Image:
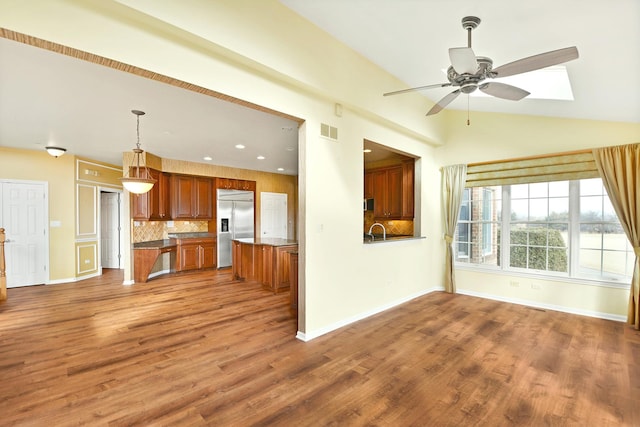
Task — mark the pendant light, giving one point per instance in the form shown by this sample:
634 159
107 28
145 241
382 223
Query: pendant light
139 180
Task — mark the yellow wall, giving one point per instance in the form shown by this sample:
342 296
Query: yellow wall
504 136
33 165
252 56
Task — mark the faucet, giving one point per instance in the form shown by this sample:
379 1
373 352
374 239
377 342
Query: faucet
384 231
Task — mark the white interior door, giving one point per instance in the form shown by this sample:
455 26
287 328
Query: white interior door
24 219
110 229
273 215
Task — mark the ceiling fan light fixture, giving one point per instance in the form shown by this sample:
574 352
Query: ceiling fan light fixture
55 151
139 180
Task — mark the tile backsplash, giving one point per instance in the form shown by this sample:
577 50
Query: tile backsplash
392 226
144 231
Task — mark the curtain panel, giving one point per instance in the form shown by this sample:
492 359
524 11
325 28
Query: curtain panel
452 190
619 168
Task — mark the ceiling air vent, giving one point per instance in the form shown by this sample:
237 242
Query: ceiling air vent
329 131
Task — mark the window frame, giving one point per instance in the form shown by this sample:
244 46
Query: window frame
573 246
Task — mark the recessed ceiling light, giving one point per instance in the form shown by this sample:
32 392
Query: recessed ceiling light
207 158
240 146
287 128
280 169
290 148
367 150
260 157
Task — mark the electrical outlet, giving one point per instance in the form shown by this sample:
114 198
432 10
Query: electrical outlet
536 286
514 284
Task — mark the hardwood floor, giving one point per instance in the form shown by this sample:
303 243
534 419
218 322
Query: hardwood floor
193 349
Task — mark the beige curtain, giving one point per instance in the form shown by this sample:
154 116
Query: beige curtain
619 168
453 180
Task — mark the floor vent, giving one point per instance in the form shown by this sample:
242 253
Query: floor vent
329 131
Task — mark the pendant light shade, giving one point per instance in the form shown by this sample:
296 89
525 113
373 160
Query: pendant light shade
137 179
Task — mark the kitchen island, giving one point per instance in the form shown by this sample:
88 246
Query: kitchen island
263 260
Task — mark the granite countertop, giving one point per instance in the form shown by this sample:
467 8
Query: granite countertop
192 235
155 244
269 241
393 238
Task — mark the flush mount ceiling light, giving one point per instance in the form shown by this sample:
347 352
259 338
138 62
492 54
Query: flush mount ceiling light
139 180
240 146
261 157
56 151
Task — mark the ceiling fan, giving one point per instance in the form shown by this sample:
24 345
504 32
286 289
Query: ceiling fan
468 72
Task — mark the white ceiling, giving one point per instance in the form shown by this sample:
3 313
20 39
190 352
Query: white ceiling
410 39
52 99
47 98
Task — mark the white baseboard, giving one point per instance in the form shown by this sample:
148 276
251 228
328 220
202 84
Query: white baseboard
536 304
337 325
72 279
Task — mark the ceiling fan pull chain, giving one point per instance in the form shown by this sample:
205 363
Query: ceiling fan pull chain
468 121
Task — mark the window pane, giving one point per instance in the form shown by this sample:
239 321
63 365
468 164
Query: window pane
539 189
609 214
538 209
520 191
590 187
614 241
559 209
519 210
558 260
590 262
613 263
591 208
559 189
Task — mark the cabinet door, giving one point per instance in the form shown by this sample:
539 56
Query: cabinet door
203 208
394 192
380 193
140 206
163 196
368 185
408 169
207 255
188 257
182 196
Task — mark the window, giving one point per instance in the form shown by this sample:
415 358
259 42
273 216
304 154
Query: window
560 228
479 226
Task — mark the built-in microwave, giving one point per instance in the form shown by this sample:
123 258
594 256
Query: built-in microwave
368 204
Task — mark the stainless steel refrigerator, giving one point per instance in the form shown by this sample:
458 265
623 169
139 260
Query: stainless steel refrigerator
235 221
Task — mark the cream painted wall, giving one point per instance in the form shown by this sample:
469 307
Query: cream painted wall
503 136
256 59
244 49
33 165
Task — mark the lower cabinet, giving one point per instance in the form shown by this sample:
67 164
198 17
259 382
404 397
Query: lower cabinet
195 254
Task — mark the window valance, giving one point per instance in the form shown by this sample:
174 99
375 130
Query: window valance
544 168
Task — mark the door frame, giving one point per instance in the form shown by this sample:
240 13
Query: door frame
45 218
99 226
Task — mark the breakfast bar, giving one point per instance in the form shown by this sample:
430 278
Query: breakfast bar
263 260
145 255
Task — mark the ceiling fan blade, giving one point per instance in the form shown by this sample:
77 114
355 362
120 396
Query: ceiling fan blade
414 89
463 60
537 62
504 91
443 102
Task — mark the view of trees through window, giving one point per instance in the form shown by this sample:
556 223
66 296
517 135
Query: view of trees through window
565 228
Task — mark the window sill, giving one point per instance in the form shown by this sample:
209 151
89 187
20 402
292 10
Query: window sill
551 278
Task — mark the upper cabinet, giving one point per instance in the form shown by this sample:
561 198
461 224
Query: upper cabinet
235 184
392 189
154 204
191 197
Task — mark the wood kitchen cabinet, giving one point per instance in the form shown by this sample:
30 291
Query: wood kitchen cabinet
195 254
387 193
392 189
235 184
154 204
191 197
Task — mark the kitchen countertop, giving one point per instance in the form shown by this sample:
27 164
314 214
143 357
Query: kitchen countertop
269 241
192 235
155 244
390 238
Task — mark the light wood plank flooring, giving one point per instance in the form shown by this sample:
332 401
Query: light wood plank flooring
196 349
